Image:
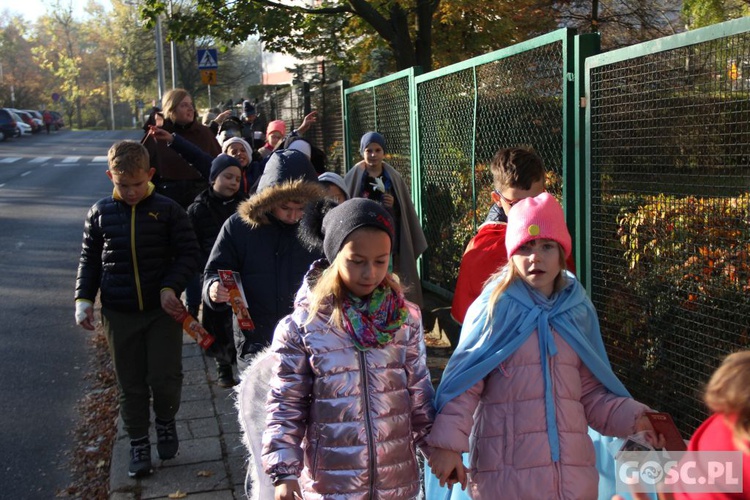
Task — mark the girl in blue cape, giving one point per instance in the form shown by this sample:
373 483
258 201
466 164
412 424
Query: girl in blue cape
529 376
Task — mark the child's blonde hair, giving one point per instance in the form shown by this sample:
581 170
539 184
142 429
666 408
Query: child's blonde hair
127 157
728 392
327 292
509 273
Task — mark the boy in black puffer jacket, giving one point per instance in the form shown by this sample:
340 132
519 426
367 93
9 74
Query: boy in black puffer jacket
260 242
207 214
139 251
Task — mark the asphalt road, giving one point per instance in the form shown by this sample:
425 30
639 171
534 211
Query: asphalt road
47 184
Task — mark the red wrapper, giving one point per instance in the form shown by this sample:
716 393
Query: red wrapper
193 328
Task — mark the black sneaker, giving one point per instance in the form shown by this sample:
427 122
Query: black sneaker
167 443
225 376
140 458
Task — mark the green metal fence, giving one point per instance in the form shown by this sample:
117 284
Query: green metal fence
443 127
328 132
466 112
293 102
668 210
383 106
649 147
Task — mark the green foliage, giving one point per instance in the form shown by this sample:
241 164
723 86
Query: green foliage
356 34
677 282
27 80
467 28
700 13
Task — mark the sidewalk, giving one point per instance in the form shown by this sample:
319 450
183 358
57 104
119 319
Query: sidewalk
211 460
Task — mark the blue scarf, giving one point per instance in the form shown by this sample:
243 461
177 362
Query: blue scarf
519 312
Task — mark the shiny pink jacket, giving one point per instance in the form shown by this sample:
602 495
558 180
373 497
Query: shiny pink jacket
501 421
347 421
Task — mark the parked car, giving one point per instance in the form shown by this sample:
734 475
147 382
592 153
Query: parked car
37 116
7 124
27 119
23 128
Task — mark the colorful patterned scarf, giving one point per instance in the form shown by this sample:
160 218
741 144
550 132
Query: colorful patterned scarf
373 322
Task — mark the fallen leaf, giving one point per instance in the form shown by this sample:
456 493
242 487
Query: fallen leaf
204 473
177 494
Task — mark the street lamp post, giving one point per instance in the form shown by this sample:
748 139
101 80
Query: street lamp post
172 52
159 58
111 99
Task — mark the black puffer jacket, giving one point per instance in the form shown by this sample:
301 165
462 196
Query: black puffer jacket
207 214
266 252
132 272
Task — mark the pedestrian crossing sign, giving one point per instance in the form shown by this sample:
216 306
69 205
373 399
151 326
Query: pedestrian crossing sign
208 59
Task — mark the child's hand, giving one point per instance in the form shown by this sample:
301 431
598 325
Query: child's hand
170 303
307 122
643 424
448 467
388 200
221 117
218 293
85 314
287 490
160 134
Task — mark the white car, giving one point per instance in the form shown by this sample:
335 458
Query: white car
23 127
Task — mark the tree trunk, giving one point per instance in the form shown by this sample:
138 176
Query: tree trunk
401 43
423 44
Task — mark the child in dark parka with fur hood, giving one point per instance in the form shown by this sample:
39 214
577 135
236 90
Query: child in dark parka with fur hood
260 243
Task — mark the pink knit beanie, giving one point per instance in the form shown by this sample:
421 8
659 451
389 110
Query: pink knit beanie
536 218
276 126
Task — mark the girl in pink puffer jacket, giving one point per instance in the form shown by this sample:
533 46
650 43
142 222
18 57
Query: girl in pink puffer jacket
529 376
351 395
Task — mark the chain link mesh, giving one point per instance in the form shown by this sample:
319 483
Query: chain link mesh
384 109
518 102
670 146
292 103
327 132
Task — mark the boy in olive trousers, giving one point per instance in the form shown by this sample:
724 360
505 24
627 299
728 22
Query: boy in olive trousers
139 250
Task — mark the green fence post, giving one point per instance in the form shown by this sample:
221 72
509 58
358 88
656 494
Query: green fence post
414 156
583 46
345 115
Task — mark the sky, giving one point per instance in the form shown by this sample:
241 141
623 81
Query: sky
31 9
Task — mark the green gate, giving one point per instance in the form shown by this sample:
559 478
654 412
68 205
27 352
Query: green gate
667 210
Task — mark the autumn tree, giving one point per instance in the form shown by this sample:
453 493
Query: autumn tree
699 13
347 32
134 54
621 22
61 51
22 83
467 28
